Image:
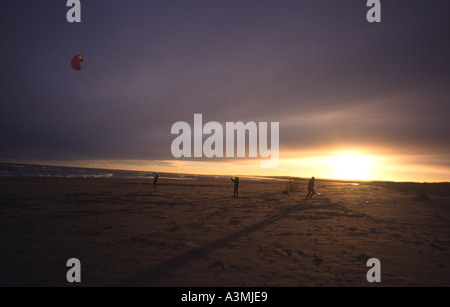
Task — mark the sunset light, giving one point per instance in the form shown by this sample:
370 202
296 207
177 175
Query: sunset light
212 144
352 167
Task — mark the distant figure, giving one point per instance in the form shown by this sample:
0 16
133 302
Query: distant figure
155 179
236 187
311 191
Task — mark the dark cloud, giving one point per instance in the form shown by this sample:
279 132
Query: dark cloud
318 67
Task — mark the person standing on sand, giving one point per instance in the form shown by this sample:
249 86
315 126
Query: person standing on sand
236 187
311 191
155 179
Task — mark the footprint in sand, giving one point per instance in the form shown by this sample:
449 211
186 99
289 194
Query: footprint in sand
217 265
363 258
286 234
283 252
317 260
234 222
437 247
174 228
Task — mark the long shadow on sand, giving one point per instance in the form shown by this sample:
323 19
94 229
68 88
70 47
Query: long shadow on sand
151 276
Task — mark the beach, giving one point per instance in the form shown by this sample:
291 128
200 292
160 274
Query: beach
192 232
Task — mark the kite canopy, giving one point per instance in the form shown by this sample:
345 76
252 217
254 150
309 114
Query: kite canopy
76 62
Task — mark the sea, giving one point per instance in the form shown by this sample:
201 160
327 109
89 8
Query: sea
34 170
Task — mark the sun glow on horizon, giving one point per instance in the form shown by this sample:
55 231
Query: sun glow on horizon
339 165
329 164
352 167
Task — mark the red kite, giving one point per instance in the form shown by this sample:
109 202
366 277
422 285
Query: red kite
76 62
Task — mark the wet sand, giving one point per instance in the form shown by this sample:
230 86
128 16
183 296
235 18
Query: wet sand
193 233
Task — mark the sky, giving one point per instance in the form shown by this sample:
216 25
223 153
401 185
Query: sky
354 100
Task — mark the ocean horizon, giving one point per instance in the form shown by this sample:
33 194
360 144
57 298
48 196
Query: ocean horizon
41 170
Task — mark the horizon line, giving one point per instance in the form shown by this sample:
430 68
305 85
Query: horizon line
221 175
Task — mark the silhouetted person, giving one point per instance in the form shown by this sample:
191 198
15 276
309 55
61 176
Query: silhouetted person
155 179
236 187
311 191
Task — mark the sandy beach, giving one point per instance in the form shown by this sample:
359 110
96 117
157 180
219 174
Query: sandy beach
193 233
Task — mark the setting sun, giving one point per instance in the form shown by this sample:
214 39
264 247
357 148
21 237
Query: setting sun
352 167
